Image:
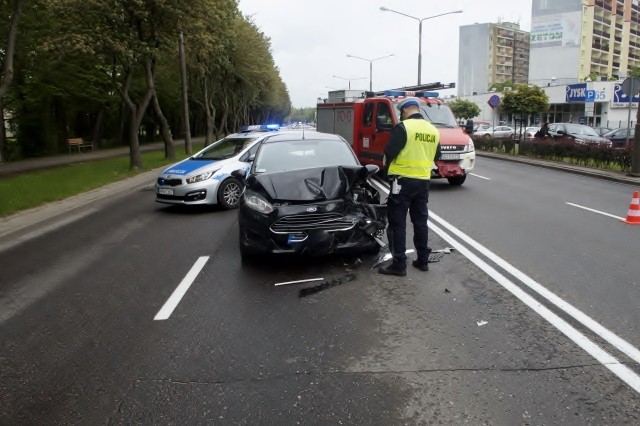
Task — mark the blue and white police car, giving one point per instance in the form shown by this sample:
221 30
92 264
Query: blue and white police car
205 177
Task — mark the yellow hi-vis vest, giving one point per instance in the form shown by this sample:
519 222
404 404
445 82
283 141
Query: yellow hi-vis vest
416 158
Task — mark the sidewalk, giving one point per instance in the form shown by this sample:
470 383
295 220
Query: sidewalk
31 164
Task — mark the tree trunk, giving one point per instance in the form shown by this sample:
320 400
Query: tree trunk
3 132
7 73
136 113
97 127
210 112
169 149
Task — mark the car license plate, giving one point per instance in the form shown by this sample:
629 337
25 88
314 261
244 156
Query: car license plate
450 156
165 191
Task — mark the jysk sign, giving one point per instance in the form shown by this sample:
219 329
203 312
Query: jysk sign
576 92
579 93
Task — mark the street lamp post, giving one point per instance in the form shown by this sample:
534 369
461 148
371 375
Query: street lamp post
370 67
384 9
349 79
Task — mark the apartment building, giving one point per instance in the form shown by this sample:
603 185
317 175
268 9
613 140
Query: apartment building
574 39
491 53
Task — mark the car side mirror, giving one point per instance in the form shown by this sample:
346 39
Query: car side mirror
468 128
372 169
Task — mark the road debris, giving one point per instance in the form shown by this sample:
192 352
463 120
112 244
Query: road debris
481 323
387 256
299 281
331 283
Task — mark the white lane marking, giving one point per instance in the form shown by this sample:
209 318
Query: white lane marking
577 314
481 177
623 372
171 303
595 211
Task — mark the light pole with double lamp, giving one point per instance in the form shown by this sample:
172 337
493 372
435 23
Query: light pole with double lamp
349 79
384 9
370 67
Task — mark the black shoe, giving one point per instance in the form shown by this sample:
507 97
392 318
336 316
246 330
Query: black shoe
421 266
393 270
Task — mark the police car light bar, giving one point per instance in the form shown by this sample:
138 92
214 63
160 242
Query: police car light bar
396 93
247 128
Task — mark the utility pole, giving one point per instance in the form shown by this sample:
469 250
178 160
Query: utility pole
185 98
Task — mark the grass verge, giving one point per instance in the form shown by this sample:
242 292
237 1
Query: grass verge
32 189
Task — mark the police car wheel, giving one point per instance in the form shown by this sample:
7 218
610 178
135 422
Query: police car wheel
229 193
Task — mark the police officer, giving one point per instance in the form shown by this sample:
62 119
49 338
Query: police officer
409 156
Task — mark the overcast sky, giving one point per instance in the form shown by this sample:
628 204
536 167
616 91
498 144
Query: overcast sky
310 40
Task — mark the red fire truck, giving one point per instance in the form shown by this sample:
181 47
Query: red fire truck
366 121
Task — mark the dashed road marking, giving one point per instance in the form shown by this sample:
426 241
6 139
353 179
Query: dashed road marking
596 211
171 303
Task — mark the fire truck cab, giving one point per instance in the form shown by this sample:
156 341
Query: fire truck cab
366 123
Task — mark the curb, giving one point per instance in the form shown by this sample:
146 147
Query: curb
549 164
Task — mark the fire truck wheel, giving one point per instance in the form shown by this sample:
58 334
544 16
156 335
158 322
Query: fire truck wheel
457 180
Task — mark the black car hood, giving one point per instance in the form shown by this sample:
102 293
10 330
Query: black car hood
306 185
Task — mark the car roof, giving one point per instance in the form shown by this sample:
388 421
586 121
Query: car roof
298 135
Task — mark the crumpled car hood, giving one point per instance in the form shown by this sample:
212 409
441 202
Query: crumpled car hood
308 185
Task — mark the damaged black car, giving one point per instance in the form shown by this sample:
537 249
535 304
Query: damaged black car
306 193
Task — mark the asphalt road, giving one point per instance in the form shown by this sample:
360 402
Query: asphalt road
458 344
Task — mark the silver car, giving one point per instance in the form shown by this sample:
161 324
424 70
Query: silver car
498 132
205 178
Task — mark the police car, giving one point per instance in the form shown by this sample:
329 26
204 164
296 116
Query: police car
205 178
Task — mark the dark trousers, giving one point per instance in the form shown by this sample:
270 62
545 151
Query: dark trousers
413 196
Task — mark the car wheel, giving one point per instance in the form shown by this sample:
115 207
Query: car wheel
229 193
457 180
486 137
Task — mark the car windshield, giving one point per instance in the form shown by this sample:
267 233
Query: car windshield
579 130
224 148
437 114
282 156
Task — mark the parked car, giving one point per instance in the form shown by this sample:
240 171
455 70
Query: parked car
530 132
577 132
308 194
621 137
602 130
481 125
498 132
205 177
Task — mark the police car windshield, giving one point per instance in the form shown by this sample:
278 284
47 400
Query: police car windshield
438 115
283 156
224 148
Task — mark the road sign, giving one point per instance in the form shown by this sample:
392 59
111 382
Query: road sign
630 86
494 101
590 96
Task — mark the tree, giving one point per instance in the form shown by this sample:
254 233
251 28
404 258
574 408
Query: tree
634 72
525 100
7 63
464 109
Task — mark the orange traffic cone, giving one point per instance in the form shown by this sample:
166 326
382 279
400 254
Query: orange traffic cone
633 217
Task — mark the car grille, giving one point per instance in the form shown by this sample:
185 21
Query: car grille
169 182
452 148
312 221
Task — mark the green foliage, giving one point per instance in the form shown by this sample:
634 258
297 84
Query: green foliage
73 58
525 100
464 109
305 115
59 183
634 72
499 87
